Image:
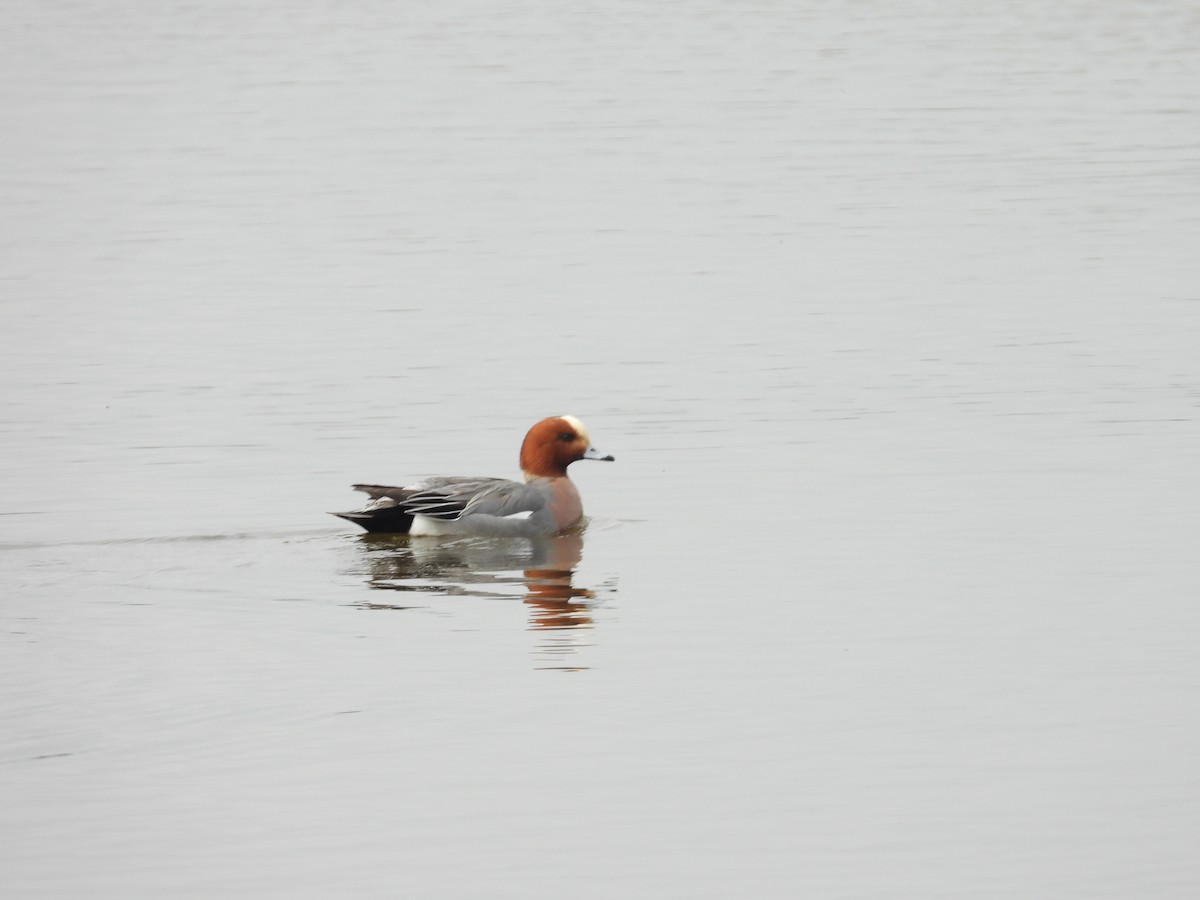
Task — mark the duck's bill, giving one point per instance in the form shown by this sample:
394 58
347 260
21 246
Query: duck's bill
593 453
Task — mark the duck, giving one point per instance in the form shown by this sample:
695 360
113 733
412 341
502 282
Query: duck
546 503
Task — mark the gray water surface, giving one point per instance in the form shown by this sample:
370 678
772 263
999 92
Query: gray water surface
888 313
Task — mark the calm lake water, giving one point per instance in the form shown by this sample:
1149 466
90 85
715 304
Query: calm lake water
889 312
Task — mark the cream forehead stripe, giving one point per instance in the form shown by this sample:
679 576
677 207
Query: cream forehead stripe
578 426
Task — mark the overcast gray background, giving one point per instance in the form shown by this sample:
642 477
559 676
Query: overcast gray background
888 311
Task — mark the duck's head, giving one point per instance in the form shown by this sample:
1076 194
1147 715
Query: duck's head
553 444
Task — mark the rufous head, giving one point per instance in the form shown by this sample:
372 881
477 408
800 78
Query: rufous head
553 444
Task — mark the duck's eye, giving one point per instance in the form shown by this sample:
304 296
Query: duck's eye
566 436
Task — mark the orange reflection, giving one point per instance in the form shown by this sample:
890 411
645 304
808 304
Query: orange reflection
550 594
540 572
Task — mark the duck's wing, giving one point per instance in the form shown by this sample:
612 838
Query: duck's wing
453 498
457 498
503 498
379 491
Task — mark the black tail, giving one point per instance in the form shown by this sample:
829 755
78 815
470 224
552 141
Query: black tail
389 520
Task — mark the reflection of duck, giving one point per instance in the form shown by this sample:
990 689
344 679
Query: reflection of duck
547 503
477 567
540 571
553 600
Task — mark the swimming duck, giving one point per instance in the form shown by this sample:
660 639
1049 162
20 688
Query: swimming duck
546 503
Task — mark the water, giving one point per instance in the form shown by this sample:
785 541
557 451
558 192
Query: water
887 311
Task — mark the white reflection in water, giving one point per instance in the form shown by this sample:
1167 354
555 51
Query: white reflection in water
540 572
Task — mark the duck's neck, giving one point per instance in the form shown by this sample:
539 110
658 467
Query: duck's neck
546 473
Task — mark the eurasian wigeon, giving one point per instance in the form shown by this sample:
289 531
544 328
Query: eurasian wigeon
547 503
